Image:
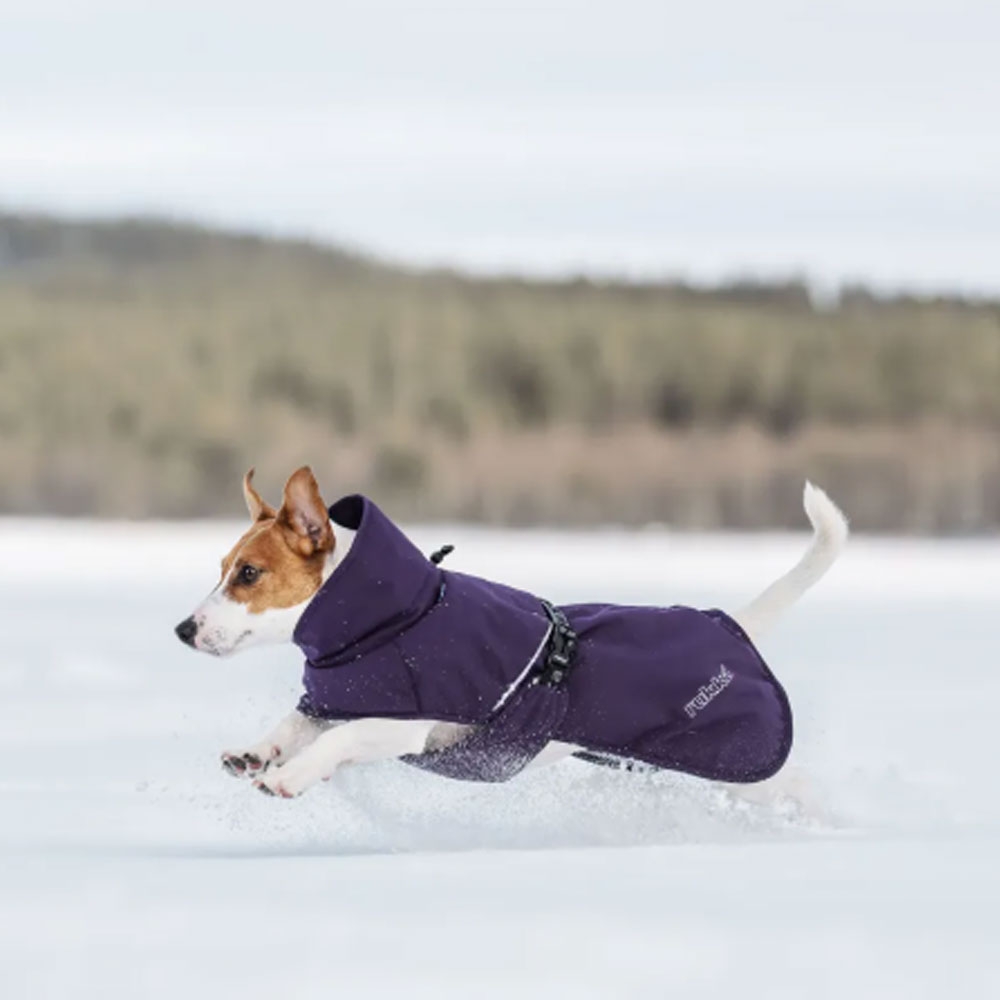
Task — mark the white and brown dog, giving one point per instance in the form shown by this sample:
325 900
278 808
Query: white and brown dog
280 564
268 579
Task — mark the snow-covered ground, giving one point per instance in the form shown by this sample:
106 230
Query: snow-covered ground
132 867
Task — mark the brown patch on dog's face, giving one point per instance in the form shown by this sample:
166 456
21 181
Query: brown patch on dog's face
270 574
279 561
264 571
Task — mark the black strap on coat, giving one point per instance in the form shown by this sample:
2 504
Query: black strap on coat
521 727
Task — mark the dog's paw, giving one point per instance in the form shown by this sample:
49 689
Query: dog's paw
277 784
288 781
243 763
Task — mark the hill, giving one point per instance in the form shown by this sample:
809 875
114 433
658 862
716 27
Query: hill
145 364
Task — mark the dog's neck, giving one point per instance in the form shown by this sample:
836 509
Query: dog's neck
343 540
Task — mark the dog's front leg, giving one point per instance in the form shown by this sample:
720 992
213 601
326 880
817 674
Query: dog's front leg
350 743
294 733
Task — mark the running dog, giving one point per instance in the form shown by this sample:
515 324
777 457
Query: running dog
476 680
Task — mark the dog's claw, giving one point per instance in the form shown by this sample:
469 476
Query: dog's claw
241 764
234 765
278 791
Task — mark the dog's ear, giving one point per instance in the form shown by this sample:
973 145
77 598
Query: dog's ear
303 515
259 509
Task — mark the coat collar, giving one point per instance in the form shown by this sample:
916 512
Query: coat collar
383 586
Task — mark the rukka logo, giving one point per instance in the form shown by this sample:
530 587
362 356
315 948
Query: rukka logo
708 691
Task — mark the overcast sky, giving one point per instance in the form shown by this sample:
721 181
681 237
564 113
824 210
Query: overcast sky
857 141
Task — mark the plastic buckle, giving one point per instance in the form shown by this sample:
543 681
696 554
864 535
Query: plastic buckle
562 646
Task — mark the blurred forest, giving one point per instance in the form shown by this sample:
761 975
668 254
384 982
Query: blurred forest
144 366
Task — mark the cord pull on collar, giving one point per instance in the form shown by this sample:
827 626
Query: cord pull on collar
438 556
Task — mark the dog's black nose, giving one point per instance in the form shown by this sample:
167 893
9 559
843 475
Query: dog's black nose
187 630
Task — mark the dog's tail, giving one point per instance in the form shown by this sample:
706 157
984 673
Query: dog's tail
829 538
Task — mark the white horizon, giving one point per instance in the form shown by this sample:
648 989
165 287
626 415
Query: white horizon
636 140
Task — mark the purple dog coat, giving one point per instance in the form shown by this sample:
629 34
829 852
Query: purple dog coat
391 635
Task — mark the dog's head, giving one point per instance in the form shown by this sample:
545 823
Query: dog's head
270 574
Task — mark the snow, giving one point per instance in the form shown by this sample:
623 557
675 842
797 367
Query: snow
131 866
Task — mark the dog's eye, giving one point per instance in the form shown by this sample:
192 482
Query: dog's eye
249 574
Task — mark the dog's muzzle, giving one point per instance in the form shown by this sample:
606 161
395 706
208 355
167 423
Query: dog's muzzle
187 630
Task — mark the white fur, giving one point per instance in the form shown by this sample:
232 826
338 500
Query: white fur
301 751
351 743
829 537
292 735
